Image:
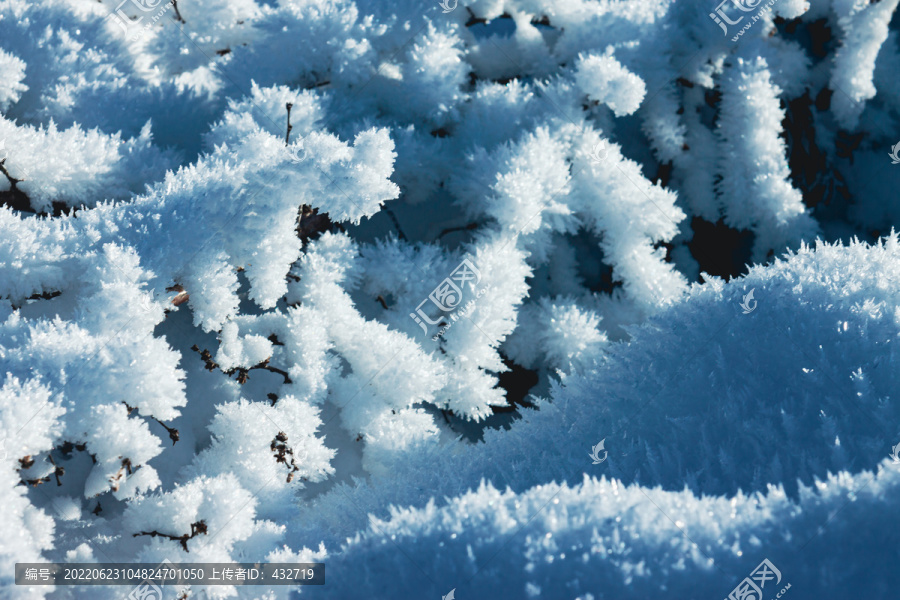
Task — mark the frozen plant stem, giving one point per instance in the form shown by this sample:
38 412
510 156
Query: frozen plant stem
12 180
287 135
173 433
242 372
282 452
57 470
393 218
178 16
196 528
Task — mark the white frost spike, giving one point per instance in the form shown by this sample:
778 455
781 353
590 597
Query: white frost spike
756 193
605 80
558 332
864 29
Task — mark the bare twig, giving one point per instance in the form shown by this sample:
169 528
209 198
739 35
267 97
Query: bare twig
173 433
242 372
196 528
283 452
287 136
178 16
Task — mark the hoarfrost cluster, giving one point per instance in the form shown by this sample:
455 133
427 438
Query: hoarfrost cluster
363 283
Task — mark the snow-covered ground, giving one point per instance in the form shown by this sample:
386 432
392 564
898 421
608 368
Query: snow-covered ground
571 299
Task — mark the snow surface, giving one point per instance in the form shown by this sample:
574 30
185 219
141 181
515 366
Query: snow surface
368 283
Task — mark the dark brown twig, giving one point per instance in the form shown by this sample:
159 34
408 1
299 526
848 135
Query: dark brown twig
196 528
116 481
173 433
310 223
283 452
468 227
38 481
12 180
57 470
181 297
242 372
287 136
178 16
393 218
